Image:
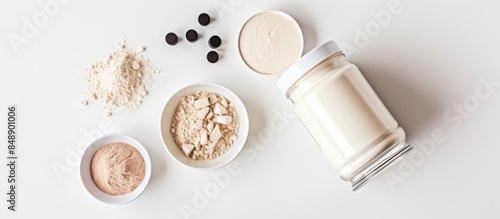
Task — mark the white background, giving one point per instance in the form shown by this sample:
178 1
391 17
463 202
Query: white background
428 58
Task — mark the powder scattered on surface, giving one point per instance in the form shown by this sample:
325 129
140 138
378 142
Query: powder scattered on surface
205 125
270 42
119 82
118 168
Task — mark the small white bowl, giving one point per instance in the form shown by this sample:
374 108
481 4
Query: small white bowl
176 152
86 174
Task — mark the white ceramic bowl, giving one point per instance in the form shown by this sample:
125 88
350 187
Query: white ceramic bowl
86 174
166 122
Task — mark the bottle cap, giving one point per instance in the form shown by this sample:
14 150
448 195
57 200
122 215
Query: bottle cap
304 64
171 39
214 42
212 57
204 19
192 35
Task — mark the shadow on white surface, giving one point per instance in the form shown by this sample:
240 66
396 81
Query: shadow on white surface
255 114
414 111
158 165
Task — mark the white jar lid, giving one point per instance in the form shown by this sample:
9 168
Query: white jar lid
304 64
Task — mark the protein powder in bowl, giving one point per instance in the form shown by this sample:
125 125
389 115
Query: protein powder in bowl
115 169
270 42
214 129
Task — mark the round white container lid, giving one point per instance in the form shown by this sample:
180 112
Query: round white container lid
304 64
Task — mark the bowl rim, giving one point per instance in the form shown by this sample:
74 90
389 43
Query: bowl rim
243 114
118 199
